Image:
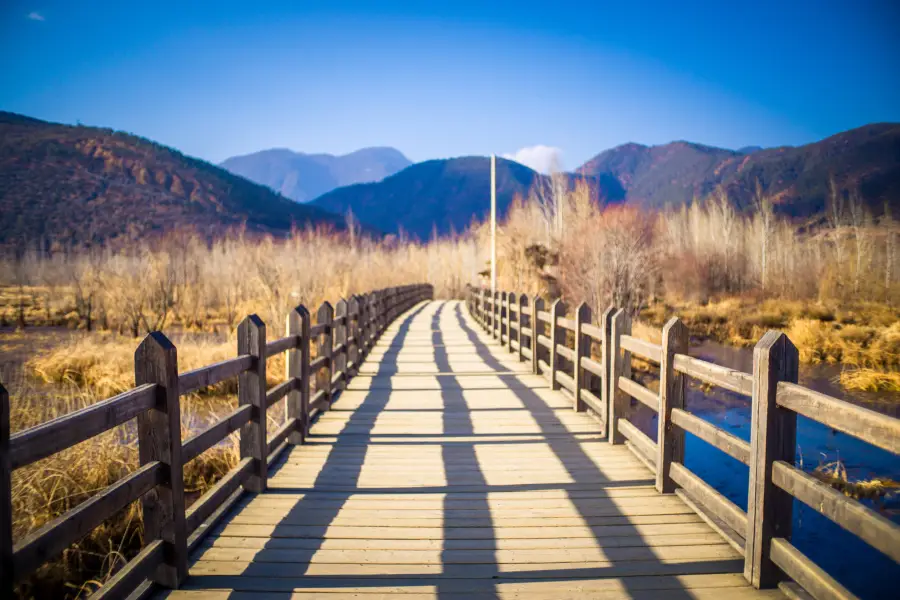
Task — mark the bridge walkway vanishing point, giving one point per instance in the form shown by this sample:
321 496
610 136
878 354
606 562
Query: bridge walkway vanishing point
447 469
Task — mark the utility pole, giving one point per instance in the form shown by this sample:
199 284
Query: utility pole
493 226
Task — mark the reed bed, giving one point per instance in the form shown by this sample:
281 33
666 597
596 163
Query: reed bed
731 275
832 285
99 302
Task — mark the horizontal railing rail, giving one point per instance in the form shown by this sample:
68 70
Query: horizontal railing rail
342 337
595 371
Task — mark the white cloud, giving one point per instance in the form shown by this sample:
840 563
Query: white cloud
36 16
541 158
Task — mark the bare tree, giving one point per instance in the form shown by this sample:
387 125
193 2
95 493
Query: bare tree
766 215
890 241
84 280
549 193
859 221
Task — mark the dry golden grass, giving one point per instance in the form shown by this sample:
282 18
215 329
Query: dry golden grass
188 284
810 281
104 362
48 488
863 336
870 380
195 292
79 370
835 475
730 276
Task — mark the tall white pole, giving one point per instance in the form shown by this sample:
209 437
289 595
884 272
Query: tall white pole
493 225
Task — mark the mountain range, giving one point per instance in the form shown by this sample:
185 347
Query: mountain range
865 160
77 185
437 196
80 185
303 177
445 195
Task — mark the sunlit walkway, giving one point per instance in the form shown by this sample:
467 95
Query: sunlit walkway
447 469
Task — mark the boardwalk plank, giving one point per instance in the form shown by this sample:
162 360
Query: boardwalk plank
446 469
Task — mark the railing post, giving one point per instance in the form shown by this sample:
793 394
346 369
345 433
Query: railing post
484 313
537 304
582 348
392 306
510 302
159 439
324 316
557 336
495 315
503 315
605 356
773 436
353 332
384 309
6 539
374 309
523 303
252 390
373 315
376 315
341 312
368 323
395 304
297 368
620 366
670 439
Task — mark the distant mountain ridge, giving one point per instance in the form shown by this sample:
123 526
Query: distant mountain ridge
79 185
303 177
866 159
440 196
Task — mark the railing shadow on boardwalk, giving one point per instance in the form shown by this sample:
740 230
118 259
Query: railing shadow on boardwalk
353 446
582 470
462 469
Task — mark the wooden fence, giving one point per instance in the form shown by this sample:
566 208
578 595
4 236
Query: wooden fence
595 371
342 338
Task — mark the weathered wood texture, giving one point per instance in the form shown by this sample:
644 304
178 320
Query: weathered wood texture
252 392
776 401
155 404
670 439
557 339
296 367
773 437
619 366
159 441
323 374
583 379
537 307
448 469
446 463
209 375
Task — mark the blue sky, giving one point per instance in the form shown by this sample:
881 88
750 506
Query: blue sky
450 78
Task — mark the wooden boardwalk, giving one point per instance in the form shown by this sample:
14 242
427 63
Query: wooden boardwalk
447 469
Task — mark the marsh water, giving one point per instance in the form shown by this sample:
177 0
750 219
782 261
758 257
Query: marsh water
863 570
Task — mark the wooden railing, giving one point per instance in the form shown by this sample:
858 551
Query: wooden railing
595 371
342 338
